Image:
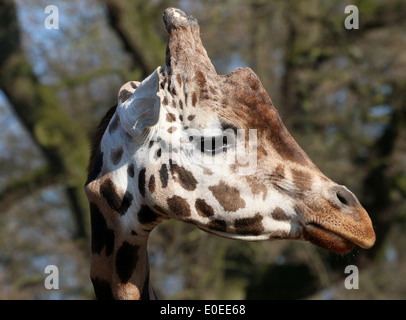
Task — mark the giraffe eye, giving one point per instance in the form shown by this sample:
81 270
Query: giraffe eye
214 145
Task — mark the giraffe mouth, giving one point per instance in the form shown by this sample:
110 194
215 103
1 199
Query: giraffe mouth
327 238
235 236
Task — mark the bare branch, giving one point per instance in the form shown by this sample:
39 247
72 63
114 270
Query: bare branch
136 34
26 186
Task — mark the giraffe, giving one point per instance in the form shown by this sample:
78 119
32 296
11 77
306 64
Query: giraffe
138 176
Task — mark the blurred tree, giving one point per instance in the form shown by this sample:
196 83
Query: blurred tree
135 23
64 145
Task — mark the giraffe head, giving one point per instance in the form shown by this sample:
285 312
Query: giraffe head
211 150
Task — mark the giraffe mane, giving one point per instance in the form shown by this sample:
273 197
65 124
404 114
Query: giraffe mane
98 135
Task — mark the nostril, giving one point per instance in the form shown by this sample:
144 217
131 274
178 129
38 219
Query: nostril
342 199
346 197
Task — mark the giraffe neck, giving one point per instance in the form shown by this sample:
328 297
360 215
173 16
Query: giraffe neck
119 261
124 274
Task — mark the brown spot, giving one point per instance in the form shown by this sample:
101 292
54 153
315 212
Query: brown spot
191 117
280 215
151 184
180 117
130 170
301 179
109 192
262 151
163 175
251 226
125 203
179 79
134 85
257 186
201 79
170 117
207 171
228 197
203 209
141 182
124 95
184 177
169 83
194 99
126 261
102 236
280 171
204 94
116 155
179 206
115 122
219 225
163 83
173 91
277 175
172 129
158 153
180 104
165 101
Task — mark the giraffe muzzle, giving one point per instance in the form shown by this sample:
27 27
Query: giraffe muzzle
339 223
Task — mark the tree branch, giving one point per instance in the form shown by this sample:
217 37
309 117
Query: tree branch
137 34
29 184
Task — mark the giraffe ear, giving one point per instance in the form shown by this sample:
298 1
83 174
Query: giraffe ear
140 110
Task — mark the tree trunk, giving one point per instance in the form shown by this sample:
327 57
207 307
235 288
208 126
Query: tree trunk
63 144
